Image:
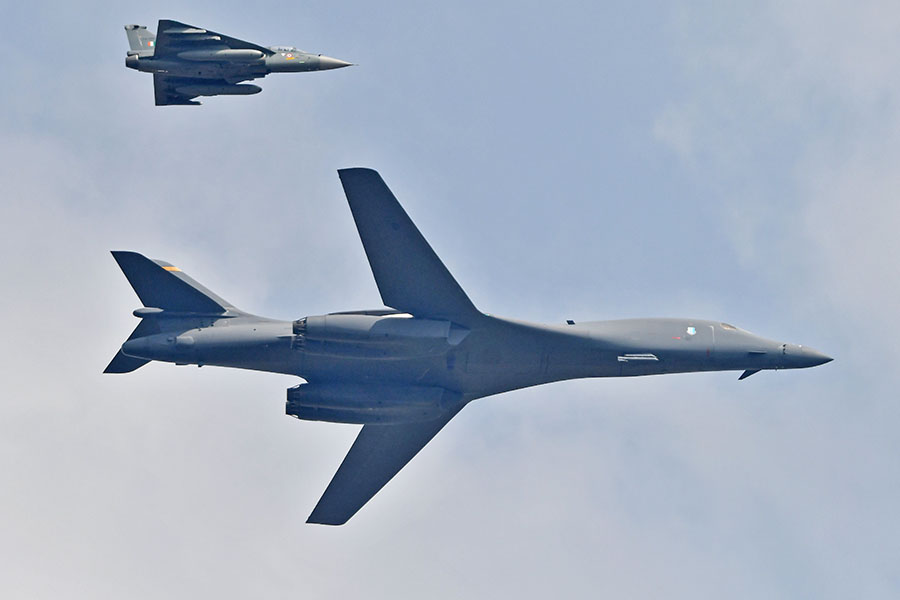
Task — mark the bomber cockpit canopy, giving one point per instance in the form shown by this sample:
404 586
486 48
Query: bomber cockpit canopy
730 327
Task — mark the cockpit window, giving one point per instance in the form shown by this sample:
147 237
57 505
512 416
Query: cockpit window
727 326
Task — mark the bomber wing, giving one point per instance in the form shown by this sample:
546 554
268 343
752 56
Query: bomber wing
378 453
173 37
409 275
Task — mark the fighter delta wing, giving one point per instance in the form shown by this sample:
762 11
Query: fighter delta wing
177 39
188 61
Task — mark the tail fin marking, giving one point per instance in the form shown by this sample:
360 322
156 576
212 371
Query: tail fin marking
140 40
161 285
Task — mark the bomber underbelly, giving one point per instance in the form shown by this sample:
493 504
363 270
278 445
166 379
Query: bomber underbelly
377 348
430 370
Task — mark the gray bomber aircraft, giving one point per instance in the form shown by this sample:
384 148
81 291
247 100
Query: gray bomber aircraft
188 61
405 371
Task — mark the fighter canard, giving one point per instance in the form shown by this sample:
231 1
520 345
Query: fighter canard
405 371
188 61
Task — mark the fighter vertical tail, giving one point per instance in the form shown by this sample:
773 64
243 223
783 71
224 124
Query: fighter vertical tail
141 41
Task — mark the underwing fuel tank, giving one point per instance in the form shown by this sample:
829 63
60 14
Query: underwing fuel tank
375 337
244 89
222 54
365 403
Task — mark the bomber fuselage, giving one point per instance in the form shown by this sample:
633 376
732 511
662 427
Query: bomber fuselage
491 356
406 371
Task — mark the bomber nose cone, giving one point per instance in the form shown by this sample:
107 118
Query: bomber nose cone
326 62
800 357
813 357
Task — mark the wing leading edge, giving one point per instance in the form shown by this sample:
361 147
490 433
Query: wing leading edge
173 37
409 275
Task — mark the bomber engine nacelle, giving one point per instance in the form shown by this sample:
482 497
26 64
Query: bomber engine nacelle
387 337
365 403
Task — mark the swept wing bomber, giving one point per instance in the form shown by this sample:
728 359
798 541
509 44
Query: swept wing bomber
404 371
188 61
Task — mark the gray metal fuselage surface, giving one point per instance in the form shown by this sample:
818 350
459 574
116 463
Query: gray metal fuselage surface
405 371
189 61
489 356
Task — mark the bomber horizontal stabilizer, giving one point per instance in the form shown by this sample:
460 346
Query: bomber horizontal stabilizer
122 363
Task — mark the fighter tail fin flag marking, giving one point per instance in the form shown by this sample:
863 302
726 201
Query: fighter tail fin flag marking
140 40
404 373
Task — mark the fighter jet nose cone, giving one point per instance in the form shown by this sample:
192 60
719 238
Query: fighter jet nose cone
326 62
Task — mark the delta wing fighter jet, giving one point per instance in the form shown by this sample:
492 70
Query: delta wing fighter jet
403 372
188 61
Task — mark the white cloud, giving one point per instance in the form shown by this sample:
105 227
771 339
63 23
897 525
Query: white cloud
674 128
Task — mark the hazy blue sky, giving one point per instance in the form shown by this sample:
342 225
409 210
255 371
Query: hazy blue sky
567 160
